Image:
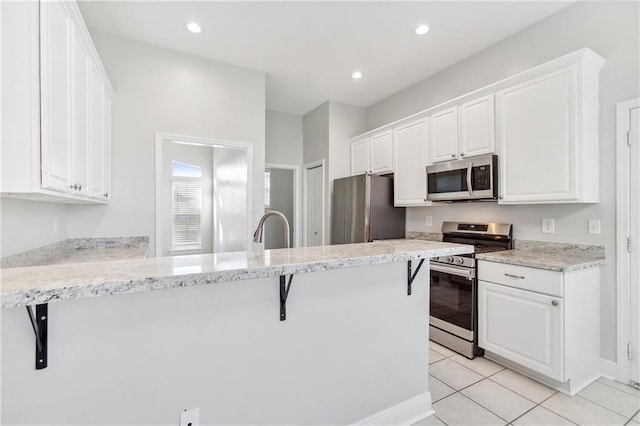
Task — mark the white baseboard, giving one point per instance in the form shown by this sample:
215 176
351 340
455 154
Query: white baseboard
608 369
405 413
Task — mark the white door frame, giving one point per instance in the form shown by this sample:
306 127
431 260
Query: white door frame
296 198
160 138
305 173
623 257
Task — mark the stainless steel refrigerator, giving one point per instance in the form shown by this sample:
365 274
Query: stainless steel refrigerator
362 210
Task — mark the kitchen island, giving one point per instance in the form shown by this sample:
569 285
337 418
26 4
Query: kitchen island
354 346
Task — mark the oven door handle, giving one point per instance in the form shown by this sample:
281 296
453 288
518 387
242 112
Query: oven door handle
468 273
469 184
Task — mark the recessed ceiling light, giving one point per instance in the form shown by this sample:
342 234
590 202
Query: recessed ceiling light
422 30
193 27
356 75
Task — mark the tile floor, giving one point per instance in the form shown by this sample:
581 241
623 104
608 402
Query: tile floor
481 392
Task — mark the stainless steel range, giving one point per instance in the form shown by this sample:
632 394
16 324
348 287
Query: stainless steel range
453 319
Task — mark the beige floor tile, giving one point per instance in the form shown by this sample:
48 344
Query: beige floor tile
498 399
540 416
612 398
454 374
620 386
430 421
441 349
458 410
480 365
438 389
582 411
434 356
526 387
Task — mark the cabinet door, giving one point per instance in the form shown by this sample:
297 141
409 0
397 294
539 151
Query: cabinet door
106 148
410 162
55 69
537 139
360 157
443 135
381 153
79 116
522 326
96 133
477 130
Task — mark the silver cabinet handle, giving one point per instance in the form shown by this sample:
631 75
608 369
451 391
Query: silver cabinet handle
554 302
514 276
79 187
106 194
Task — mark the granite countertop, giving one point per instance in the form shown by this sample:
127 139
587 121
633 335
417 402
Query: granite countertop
77 250
562 257
23 286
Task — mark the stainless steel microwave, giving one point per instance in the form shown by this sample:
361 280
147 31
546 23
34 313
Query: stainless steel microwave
474 178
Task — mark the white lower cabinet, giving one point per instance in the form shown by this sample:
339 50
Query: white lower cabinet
543 323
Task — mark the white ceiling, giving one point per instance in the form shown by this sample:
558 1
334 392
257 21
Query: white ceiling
308 50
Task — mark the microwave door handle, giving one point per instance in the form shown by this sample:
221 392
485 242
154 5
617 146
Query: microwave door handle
469 186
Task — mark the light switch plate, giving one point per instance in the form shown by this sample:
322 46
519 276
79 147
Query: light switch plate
548 225
428 222
594 226
190 417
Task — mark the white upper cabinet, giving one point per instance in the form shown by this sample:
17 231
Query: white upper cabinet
443 135
381 153
360 156
56 32
547 129
60 131
410 164
476 127
372 154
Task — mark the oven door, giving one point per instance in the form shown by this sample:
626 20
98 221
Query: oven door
453 300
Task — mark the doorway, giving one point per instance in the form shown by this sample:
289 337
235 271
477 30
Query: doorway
314 203
628 236
203 201
282 193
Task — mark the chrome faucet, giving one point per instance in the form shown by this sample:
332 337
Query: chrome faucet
257 236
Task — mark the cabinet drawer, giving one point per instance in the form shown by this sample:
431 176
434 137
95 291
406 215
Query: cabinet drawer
523 277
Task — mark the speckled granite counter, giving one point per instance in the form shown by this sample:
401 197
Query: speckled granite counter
43 284
563 257
77 250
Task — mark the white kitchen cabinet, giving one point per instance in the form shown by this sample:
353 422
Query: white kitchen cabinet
476 127
360 156
547 130
49 70
543 323
372 154
443 135
410 162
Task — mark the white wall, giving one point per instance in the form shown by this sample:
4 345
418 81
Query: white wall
610 29
30 224
160 90
353 344
284 138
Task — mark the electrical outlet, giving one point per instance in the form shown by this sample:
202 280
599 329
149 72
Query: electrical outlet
190 417
594 226
55 224
428 221
548 225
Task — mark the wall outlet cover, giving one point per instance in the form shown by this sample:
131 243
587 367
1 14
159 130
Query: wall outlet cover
548 225
428 221
594 226
190 417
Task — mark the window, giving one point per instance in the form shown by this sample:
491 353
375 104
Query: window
186 203
267 188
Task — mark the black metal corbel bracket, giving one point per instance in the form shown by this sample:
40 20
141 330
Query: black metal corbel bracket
284 293
410 276
39 322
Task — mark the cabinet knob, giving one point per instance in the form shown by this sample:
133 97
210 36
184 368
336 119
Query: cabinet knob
453 156
554 302
106 194
462 154
79 187
500 197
